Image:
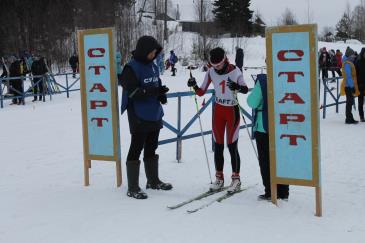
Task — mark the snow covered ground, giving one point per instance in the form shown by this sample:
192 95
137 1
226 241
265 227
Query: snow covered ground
43 200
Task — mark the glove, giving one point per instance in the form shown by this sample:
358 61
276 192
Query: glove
236 87
192 82
162 99
163 90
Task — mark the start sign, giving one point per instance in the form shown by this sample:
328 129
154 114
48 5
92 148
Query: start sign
293 107
100 116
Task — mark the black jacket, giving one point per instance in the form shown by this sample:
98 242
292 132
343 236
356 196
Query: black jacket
74 60
360 70
39 67
129 82
239 58
324 61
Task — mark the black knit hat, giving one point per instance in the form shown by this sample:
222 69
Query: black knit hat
216 55
145 45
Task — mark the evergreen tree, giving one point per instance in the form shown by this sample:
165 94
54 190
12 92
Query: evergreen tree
233 15
344 27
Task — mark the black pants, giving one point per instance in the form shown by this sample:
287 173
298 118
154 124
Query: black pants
324 73
173 69
74 70
147 141
262 142
38 88
219 157
17 90
360 100
338 71
349 103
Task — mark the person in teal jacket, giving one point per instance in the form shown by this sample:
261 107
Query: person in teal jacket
257 100
118 61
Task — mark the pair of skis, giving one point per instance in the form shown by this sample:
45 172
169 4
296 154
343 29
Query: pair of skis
207 194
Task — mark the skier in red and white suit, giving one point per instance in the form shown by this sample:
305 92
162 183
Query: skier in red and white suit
227 81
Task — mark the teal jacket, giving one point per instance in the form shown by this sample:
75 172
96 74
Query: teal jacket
118 62
255 101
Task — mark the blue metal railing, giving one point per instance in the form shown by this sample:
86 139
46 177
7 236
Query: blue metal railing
180 132
334 93
50 86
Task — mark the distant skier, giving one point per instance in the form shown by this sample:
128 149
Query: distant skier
239 58
172 61
74 63
227 81
257 100
142 97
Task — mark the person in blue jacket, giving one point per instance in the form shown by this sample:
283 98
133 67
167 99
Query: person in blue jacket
257 100
143 94
173 60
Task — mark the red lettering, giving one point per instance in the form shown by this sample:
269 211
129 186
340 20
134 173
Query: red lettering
293 138
291 75
99 121
282 55
97 69
292 96
96 52
98 86
97 103
285 118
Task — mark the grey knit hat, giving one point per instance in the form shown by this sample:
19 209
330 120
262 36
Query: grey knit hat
349 52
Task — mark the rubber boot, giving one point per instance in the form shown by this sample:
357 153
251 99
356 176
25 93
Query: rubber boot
153 181
134 190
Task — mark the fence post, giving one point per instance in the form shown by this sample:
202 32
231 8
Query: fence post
324 99
337 95
1 94
179 141
67 91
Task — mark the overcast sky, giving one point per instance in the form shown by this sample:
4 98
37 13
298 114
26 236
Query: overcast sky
322 12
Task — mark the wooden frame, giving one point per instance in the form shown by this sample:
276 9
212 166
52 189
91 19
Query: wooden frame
314 106
114 103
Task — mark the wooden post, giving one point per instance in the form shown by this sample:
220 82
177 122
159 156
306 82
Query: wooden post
318 201
119 172
86 172
274 193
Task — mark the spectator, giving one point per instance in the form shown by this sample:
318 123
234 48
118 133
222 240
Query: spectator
339 62
74 63
17 88
334 65
360 71
118 61
38 69
349 84
257 100
324 63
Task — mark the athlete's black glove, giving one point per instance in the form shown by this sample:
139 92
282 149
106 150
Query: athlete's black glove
236 87
192 82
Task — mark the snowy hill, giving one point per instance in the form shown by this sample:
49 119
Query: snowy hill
43 200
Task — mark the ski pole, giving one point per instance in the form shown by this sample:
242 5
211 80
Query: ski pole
244 120
248 132
202 133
